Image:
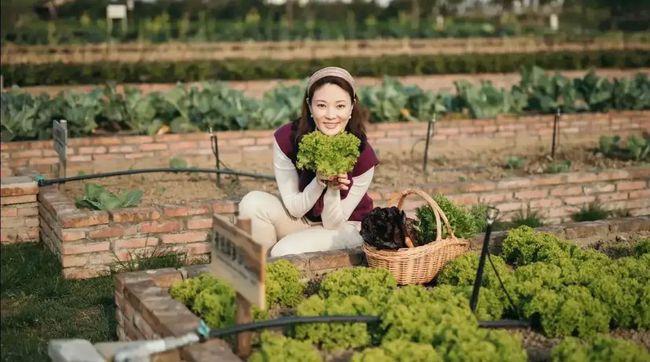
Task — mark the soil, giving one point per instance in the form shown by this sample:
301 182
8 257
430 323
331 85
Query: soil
395 171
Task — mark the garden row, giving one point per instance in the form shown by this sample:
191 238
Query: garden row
308 49
250 69
219 107
564 291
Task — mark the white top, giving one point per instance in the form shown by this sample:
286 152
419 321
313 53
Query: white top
335 211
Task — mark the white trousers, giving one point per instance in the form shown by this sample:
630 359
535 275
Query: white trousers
270 222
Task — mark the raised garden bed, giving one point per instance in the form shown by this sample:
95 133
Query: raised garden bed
144 304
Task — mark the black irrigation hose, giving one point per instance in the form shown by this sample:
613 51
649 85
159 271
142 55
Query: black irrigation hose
43 182
512 304
287 321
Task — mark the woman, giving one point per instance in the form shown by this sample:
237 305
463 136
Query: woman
314 213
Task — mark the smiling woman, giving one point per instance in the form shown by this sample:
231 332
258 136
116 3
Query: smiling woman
316 212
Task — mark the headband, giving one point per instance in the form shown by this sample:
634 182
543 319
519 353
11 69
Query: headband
331 72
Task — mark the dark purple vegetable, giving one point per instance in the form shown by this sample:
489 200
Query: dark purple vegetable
384 228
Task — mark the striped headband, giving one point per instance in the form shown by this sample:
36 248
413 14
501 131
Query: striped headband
331 72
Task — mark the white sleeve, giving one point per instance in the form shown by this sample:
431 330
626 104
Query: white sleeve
337 211
297 203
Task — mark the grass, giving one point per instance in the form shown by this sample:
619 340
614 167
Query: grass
39 305
529 218
592 212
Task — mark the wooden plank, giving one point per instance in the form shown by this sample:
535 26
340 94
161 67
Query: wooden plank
237 259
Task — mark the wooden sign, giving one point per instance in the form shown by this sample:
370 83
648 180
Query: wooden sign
237 259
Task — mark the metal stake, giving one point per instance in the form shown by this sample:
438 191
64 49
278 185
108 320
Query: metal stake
556 133
430 129
491 216
214 142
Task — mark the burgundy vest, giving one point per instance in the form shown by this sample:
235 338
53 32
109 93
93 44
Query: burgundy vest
367 159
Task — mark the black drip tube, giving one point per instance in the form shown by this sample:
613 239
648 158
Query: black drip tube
44 182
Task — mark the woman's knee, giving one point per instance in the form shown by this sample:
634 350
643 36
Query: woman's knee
253 201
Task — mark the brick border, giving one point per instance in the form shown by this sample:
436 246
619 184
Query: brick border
19 210
110 153
89 243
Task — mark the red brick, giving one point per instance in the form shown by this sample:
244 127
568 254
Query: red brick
12 222
615 196
494 197
182 145
92 150
530 194
545 203
27 211
510 206
72 234
106 232
136 155
479 186
27 153
135 214
121 149
580 177
133 243
514 183
464 199
74 260
153 146
31 221
160 226
579 200
224 207
630 185
43 161
80 158
199 223
22 186
640 194
597 188
199 248
240 142
12 200
84 247
549 180
79 218
107 140
9 212
86 272
185 210
184 237
566 190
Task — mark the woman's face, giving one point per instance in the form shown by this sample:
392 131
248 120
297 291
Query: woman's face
331 108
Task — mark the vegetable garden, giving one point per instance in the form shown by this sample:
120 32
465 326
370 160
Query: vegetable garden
562 289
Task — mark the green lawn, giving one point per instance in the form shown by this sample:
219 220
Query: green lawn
39 305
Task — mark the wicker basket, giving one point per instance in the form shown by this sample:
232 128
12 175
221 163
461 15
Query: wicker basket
420 264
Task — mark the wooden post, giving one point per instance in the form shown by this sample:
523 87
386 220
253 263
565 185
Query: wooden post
243 308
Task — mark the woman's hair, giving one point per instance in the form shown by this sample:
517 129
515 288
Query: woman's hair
305 123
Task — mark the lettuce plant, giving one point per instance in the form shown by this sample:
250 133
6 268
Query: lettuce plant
328 155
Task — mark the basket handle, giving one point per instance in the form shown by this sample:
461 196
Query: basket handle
398 200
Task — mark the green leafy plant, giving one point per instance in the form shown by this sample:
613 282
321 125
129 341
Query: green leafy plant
515 162
176 162
98 198
276 347
591 212
328 155
209 297
463 223
373 284
335 336
282 284
600 348
398 351
635 148
558 166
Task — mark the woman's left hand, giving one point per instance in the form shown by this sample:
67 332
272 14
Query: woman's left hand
342 181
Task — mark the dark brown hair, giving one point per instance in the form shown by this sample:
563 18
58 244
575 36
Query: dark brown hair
305 123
